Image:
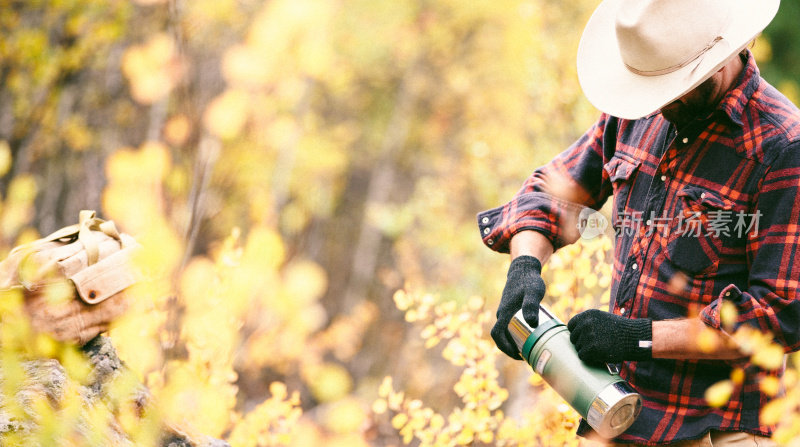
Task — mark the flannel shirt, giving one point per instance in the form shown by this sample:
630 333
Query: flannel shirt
716 203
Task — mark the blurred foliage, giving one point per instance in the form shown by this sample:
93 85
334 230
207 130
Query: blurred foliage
288 165
780 61
543 417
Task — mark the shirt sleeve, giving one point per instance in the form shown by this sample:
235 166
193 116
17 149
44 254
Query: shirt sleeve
771 302
551 198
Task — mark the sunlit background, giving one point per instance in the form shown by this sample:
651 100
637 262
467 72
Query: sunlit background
304 176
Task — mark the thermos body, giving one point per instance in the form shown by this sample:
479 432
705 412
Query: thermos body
602 397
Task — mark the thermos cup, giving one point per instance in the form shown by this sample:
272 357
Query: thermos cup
600 395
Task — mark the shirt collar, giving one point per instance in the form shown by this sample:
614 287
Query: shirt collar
732 104
734 101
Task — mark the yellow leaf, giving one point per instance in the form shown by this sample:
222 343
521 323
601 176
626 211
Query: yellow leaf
305 281
278 390
386 387
22 189
718 394
245 65
402 300
264 246
76 134
399 420
152 69
431 342
677 283
783 435
771 412
475 303
770 385
396 399
707 340
196 280
737 376
59 292
728 315
226 114
380 406
177 130
45 346
465 436
344 416
328 382
769 357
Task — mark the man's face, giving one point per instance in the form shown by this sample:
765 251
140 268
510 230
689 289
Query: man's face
698 103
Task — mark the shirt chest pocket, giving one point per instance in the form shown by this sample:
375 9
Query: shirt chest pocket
621 171
707 228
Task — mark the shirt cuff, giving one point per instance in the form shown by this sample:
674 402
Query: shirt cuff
554 218
710 315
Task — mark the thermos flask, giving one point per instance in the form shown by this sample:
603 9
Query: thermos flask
600 395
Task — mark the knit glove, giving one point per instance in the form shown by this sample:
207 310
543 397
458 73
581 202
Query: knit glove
524 290
602 337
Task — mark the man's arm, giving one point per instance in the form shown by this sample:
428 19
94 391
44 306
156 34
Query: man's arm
603 337
672 339
531 243
541 217
691 339
552 197
524 287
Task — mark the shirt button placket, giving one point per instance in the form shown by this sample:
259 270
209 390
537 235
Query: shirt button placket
627 284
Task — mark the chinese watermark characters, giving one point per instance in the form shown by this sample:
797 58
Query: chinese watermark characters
714 223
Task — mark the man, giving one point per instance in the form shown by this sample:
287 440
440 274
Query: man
704 156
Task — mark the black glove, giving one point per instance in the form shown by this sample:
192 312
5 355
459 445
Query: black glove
602 337
524 290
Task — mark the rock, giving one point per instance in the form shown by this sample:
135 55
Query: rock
48 378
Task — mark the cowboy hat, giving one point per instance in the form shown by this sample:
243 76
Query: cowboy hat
636 56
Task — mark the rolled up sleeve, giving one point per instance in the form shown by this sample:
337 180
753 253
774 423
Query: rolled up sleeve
551 199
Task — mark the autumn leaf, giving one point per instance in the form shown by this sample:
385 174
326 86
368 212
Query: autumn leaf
719 394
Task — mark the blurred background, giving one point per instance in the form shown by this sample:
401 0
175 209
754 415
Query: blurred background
305 175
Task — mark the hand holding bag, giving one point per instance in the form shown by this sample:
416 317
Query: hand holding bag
93 258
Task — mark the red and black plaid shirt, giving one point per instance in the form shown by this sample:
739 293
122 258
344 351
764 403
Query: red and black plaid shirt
716 203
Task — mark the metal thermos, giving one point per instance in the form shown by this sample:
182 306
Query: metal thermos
600 395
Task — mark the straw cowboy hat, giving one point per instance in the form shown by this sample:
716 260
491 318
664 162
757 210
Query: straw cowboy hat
636 56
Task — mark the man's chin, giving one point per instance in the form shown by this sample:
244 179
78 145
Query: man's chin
675 116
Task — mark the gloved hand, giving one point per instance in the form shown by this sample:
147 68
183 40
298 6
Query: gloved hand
524 290
602 337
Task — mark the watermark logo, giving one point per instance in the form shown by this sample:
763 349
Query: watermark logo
591 223
713 223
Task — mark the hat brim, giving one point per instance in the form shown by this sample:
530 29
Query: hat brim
611 87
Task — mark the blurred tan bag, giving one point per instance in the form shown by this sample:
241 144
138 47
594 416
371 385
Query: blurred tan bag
94 257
